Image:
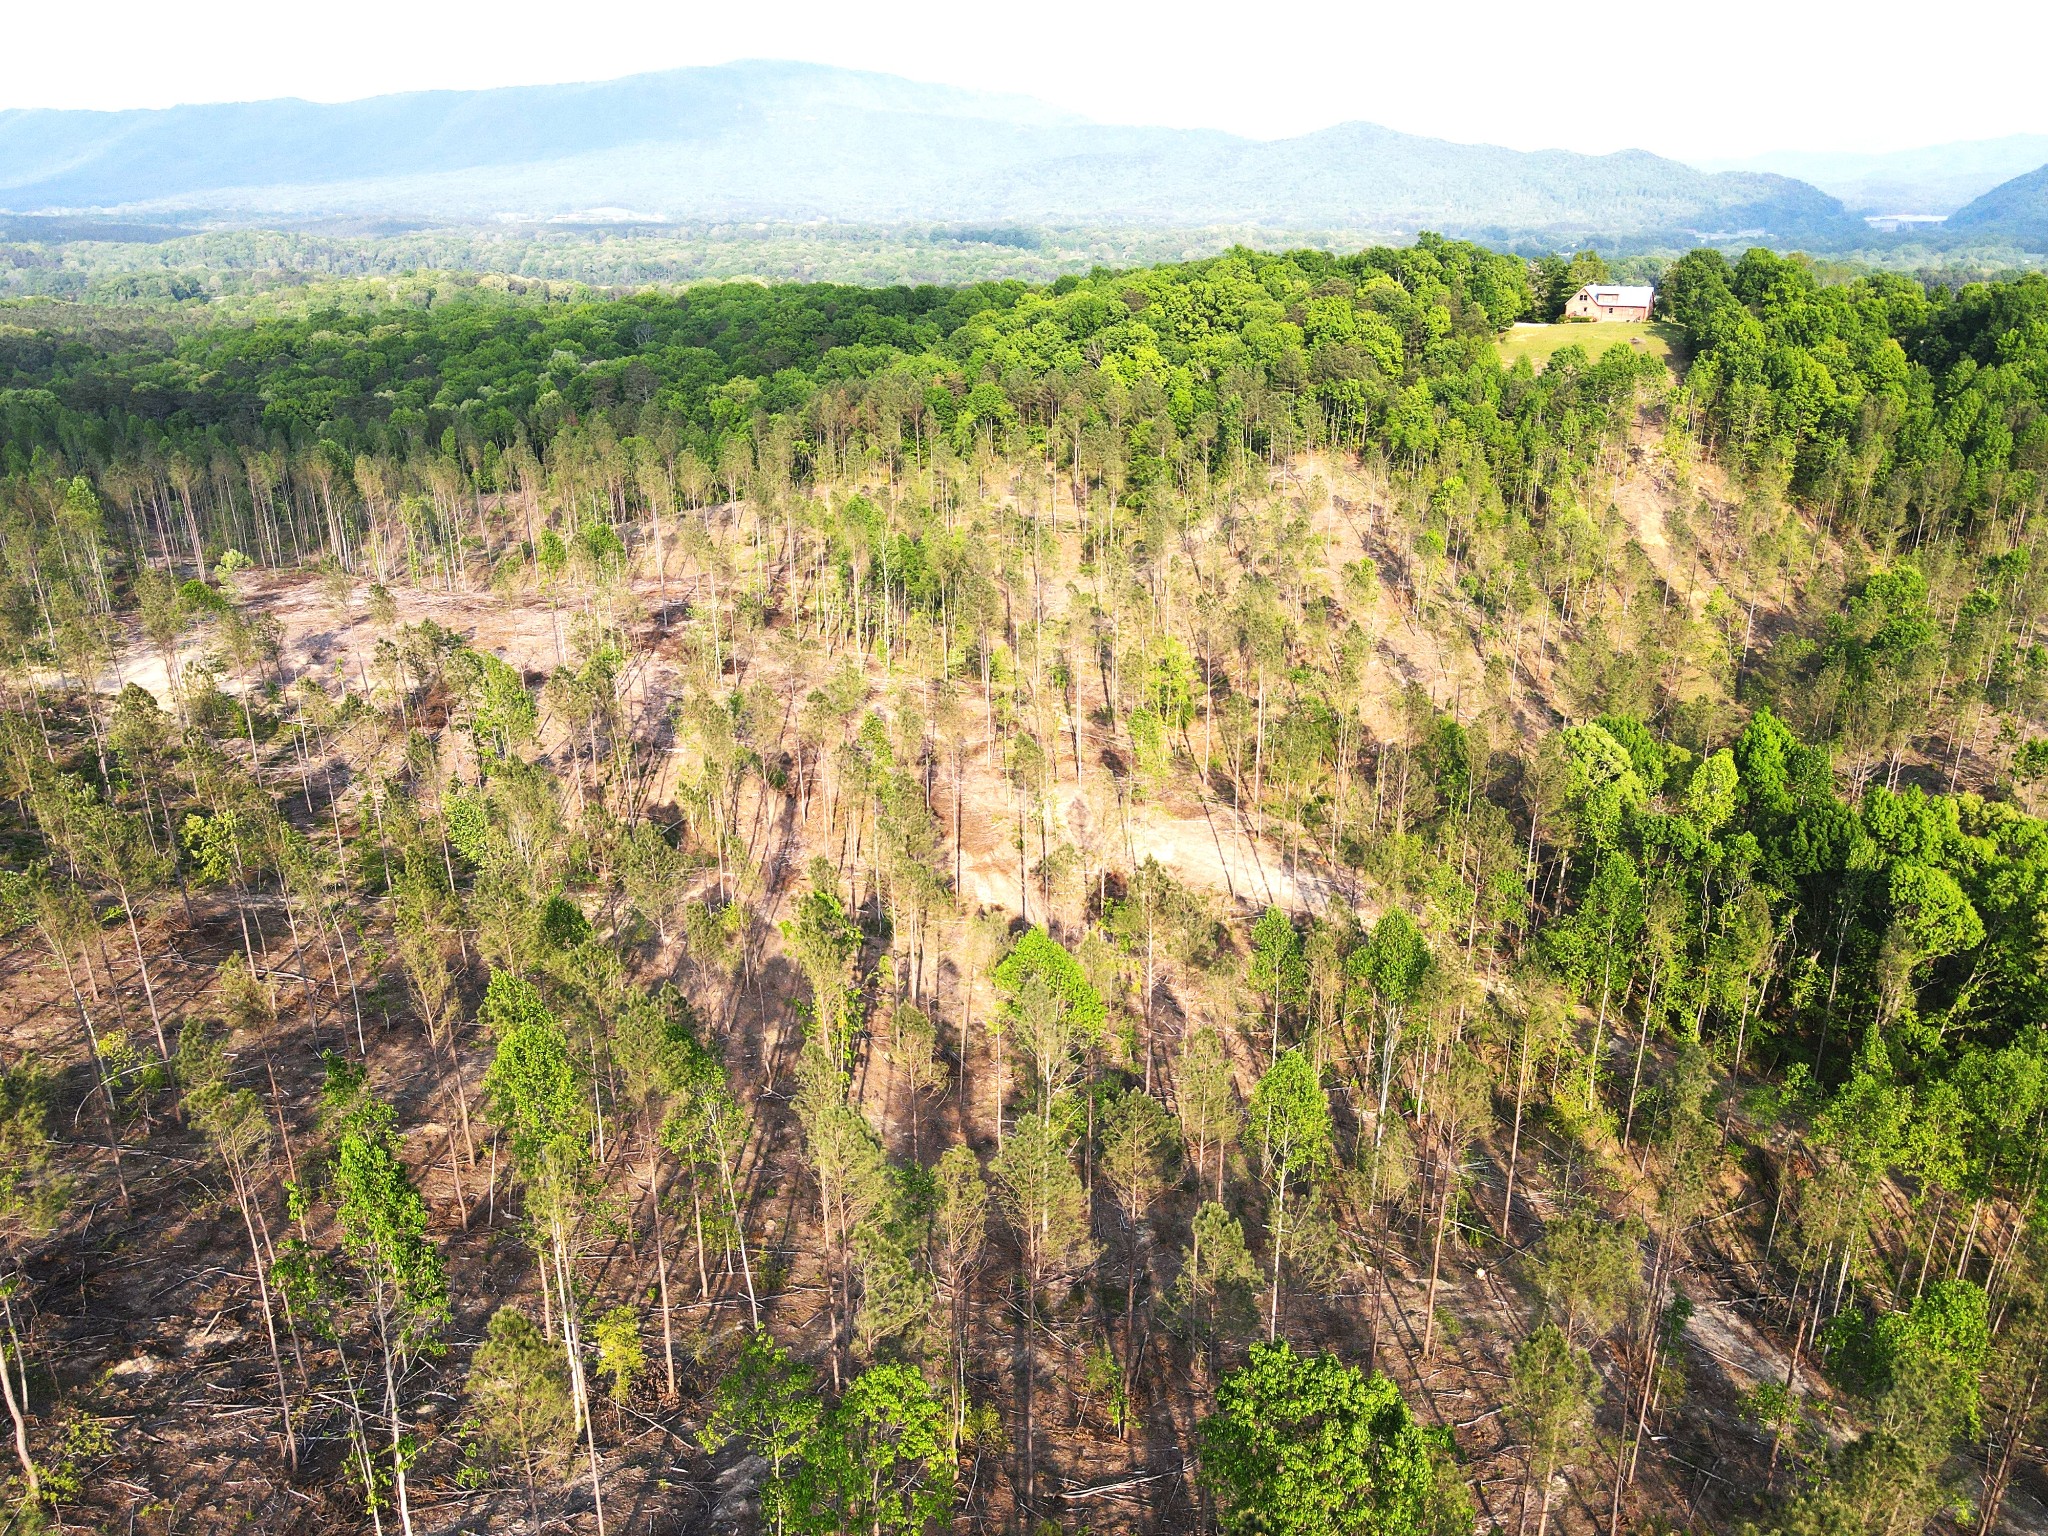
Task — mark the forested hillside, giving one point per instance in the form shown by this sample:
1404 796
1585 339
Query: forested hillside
1166 902
231 270
1936 178
2018 206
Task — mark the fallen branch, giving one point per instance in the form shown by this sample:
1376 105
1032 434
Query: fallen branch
1103 1490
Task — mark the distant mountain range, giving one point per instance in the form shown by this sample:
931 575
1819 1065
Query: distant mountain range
1934 179
801 142
784 141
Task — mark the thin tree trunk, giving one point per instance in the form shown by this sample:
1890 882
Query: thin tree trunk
149 991
284 1404
668 1339
1443 1211
1279 1240
17 1407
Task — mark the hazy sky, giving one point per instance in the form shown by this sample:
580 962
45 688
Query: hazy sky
1732 78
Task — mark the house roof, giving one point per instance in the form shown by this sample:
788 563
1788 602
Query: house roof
1615 296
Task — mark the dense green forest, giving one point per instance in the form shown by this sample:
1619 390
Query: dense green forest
232 272
1164 901
101 262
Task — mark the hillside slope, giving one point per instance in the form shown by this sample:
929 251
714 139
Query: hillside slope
811 858
2016 208
1935 178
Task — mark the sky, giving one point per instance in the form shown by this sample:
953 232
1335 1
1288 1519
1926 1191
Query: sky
1735 79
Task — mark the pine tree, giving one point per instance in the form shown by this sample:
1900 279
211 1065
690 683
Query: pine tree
525 1405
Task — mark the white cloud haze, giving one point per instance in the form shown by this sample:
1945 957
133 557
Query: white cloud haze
1707 81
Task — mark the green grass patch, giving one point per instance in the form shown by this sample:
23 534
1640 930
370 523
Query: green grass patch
1539 342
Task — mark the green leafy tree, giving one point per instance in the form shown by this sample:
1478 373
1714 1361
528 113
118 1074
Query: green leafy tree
501 712
1304 1445
1054 1012
1918 1373
1277 969
1394 964
880 1462
1288 1127
769 1403
825 944
706 1127
621 1356
383 1225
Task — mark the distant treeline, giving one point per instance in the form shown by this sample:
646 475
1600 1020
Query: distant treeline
154 265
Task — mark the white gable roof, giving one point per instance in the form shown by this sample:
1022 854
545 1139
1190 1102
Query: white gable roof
1615 296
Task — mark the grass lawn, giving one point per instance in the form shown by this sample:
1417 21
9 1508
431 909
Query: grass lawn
1538 342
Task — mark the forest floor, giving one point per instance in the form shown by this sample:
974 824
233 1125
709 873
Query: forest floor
171 1351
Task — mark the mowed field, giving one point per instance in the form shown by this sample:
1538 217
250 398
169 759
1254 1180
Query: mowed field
1539 342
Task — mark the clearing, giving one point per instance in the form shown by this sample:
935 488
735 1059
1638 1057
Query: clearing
1539 343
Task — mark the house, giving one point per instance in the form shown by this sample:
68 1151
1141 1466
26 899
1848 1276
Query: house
1609 301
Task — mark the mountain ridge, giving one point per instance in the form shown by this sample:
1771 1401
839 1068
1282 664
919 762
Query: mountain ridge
2017 208
772 140
1927 179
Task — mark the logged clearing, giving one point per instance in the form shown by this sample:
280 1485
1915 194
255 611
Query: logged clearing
998 848
1080 1403
1086 910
